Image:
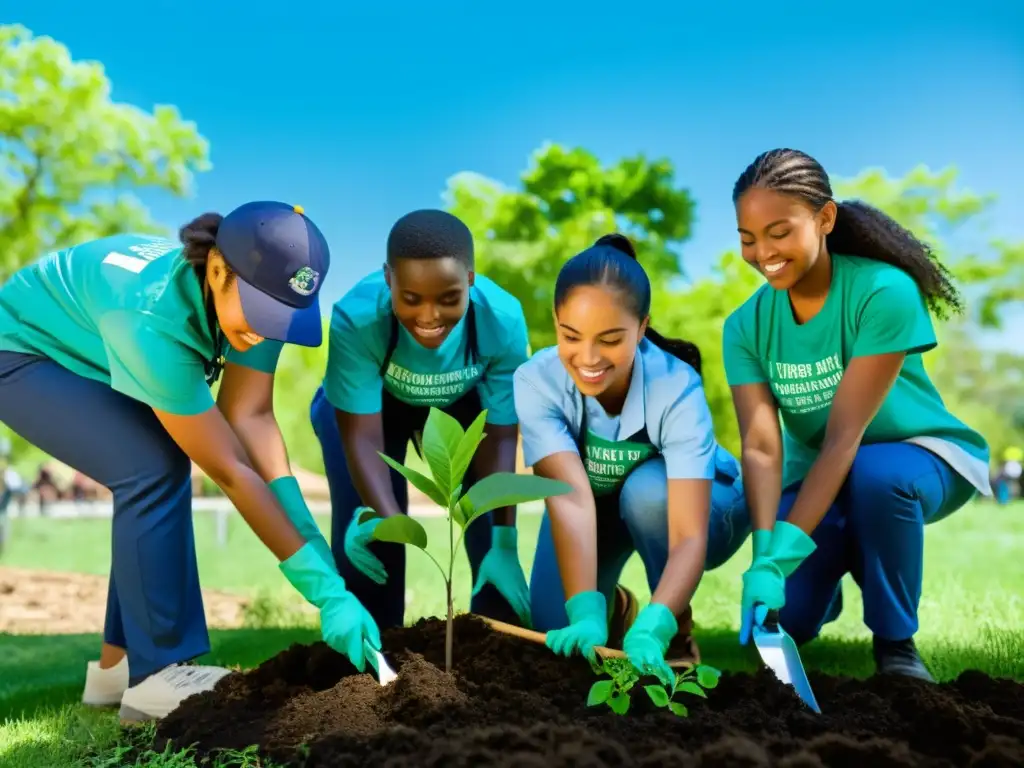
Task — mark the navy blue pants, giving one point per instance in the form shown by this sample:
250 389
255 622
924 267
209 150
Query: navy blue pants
875 532
154 606
386 602
636 520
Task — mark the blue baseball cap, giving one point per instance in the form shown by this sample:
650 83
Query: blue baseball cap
280 258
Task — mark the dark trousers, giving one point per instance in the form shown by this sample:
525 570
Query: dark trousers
154 606
386 602
875 532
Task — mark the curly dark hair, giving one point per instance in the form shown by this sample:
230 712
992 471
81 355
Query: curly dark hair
430 234
860 229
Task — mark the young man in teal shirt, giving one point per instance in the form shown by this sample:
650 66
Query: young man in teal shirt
869 454
425 331
108 350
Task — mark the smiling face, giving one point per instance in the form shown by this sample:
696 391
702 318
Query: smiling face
429 296
597 339
228 304
781 235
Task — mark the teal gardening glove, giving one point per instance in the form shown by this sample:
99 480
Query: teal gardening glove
289 496
588 626
501 567
357 537
765 580
647 640
344 623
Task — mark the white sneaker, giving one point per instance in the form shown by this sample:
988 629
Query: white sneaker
160 694
105 687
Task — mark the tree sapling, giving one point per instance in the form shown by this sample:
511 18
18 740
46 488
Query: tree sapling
615 692
448 451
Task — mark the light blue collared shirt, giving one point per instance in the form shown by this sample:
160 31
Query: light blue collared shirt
665 394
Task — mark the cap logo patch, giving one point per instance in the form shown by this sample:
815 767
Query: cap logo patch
304 281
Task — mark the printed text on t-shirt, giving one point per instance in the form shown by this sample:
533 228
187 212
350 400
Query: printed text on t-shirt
806 387
437 389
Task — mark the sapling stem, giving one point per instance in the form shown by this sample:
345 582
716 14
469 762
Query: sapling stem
448 639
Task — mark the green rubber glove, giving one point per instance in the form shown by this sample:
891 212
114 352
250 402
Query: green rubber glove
765 580
501 567
762 540
357 536
647 640
345 624
288 494
588 626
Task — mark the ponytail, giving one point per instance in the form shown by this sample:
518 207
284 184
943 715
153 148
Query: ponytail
603 264
860 229
198 237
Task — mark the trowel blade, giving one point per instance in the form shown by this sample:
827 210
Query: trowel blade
779 652
385 674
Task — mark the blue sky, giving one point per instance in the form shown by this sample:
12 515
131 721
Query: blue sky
361 115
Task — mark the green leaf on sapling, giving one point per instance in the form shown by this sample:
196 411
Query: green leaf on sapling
708 676
599 693
401 529
657 695
366 513
693 688
506 489
678 709
468 445
441 437
421 482
619 703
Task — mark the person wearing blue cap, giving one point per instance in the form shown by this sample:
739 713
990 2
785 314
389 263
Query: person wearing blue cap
618 411
425 331
108 350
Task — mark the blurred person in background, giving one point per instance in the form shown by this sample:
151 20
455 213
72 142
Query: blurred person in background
869 454
1007 480
108 351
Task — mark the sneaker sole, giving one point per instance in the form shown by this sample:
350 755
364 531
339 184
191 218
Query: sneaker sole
132 716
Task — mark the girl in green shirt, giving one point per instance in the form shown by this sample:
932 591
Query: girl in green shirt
868 453
108 350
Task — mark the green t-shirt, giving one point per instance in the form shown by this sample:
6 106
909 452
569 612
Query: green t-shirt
872 308
127 311
361 330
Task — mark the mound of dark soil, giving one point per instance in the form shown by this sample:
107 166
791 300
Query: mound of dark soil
514 703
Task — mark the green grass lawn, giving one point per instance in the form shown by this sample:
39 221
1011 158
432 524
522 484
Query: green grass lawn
972 616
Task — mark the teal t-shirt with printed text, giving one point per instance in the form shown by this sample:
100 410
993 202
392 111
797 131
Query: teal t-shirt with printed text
124 310
872 308
360 332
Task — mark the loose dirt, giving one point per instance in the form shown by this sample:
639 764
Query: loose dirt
46 602
513 703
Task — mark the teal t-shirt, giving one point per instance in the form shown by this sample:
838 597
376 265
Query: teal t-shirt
872 308
359 335
125 310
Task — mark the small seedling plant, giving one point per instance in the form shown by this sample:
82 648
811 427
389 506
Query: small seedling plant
623 676
448 451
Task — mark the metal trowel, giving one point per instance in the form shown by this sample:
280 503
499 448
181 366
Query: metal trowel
385 674
779 652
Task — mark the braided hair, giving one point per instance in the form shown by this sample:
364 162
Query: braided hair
860 229
612 261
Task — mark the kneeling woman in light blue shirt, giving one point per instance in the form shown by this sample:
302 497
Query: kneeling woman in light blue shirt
653 480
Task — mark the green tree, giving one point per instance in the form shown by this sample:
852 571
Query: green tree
567 200
70 156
